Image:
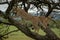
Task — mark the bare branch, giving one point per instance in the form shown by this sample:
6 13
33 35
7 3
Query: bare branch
9 33
4 3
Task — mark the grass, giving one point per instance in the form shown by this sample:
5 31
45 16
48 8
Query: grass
21 36
17 35
57 31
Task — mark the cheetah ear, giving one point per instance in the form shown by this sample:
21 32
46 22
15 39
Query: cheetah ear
14 9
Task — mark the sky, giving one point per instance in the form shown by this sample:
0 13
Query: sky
3 7
34 10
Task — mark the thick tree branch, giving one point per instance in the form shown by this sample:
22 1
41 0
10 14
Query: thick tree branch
25 30
36 36
50 9
4 3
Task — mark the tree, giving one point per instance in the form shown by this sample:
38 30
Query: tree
50 35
